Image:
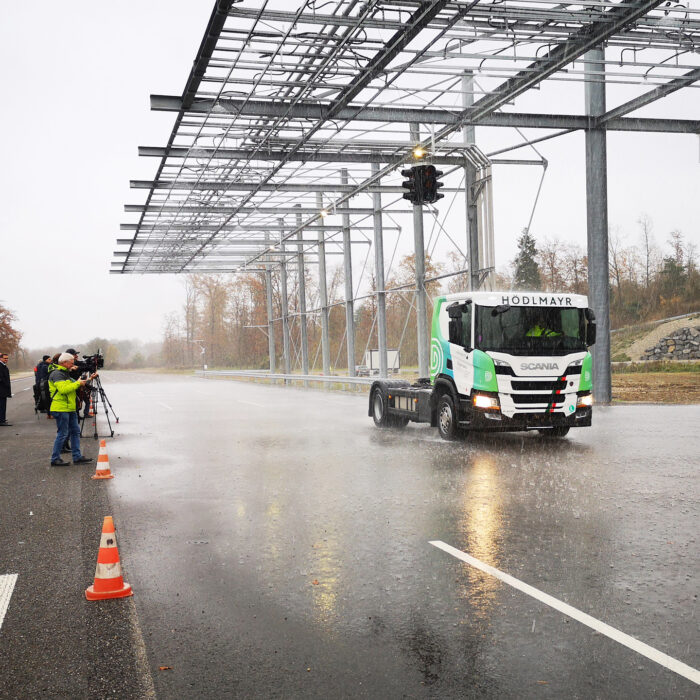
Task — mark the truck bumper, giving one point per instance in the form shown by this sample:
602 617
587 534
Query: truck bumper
494 421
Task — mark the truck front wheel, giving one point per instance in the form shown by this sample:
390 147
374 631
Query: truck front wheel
380 414
447 418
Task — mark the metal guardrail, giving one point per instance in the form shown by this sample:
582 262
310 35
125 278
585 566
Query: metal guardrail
339 379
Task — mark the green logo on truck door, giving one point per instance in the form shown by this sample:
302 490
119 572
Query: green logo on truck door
439 347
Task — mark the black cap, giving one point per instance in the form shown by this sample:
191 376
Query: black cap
45 357
73 351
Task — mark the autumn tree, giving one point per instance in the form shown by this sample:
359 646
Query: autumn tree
10 336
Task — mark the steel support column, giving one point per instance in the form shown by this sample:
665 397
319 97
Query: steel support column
379 278
285 313
323 293
597 224
304 338
270 317
421 297
349 294
469 133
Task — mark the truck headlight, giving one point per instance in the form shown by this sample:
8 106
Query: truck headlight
584 401
488 403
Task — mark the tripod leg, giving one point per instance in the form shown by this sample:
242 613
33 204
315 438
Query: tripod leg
105 402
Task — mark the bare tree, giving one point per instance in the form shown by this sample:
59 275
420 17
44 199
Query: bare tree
550 260
646 227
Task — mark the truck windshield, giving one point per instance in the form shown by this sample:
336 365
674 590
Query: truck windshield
525 330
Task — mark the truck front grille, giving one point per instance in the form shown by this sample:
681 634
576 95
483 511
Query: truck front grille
547 385
520 399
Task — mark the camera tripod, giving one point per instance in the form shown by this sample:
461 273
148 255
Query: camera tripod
98 395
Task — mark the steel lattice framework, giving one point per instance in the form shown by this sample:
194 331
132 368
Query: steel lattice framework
293 111
278 101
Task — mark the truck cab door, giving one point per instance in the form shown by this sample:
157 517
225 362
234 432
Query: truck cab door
461 347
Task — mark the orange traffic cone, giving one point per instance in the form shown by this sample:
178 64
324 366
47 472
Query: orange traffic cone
108 574
91 412
102 467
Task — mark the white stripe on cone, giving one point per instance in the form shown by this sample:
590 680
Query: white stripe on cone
108 570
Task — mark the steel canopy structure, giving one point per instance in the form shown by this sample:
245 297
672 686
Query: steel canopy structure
294 122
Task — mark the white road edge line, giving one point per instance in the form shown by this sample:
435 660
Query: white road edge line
659 657
251 403
7 585
165 405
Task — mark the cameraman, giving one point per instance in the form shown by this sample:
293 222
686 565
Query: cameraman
77 369
62 391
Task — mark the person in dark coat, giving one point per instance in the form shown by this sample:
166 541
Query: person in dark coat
41 373
5 388
42 369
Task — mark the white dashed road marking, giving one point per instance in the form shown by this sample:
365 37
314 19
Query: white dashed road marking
659 657
7 585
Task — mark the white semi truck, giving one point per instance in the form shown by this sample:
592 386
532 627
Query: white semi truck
499 361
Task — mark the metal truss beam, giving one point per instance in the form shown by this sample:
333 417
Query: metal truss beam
299 157
155 208
201 62
615 19
651 96
390 50
318 112
269 187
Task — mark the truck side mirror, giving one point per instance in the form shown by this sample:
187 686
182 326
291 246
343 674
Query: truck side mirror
591 326
454 310
591 333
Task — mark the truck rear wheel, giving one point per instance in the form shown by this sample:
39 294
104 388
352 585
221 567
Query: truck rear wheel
380 413
558 431
447 418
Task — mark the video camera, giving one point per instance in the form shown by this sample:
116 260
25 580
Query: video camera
91 363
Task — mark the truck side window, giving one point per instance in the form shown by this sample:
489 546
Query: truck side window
466 340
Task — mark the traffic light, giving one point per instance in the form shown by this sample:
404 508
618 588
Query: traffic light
414 184
422 184
431 184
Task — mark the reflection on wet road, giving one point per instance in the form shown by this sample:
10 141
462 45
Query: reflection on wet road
280 543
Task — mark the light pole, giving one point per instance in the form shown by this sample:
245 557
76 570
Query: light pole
203 350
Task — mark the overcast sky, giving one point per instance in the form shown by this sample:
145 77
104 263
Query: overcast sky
77 78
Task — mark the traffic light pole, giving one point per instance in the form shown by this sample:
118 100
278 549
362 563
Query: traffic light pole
349 295
421 296
469 134
379 275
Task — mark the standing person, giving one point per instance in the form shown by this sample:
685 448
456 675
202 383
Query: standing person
5 388
63 389
42 373
42 369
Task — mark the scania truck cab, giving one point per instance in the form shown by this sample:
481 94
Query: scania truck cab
499 361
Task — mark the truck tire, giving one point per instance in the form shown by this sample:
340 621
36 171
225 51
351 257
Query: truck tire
380 414
447 418
558 431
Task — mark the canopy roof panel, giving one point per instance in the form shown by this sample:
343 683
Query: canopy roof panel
282 105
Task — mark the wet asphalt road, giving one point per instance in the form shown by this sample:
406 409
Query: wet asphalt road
278 546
